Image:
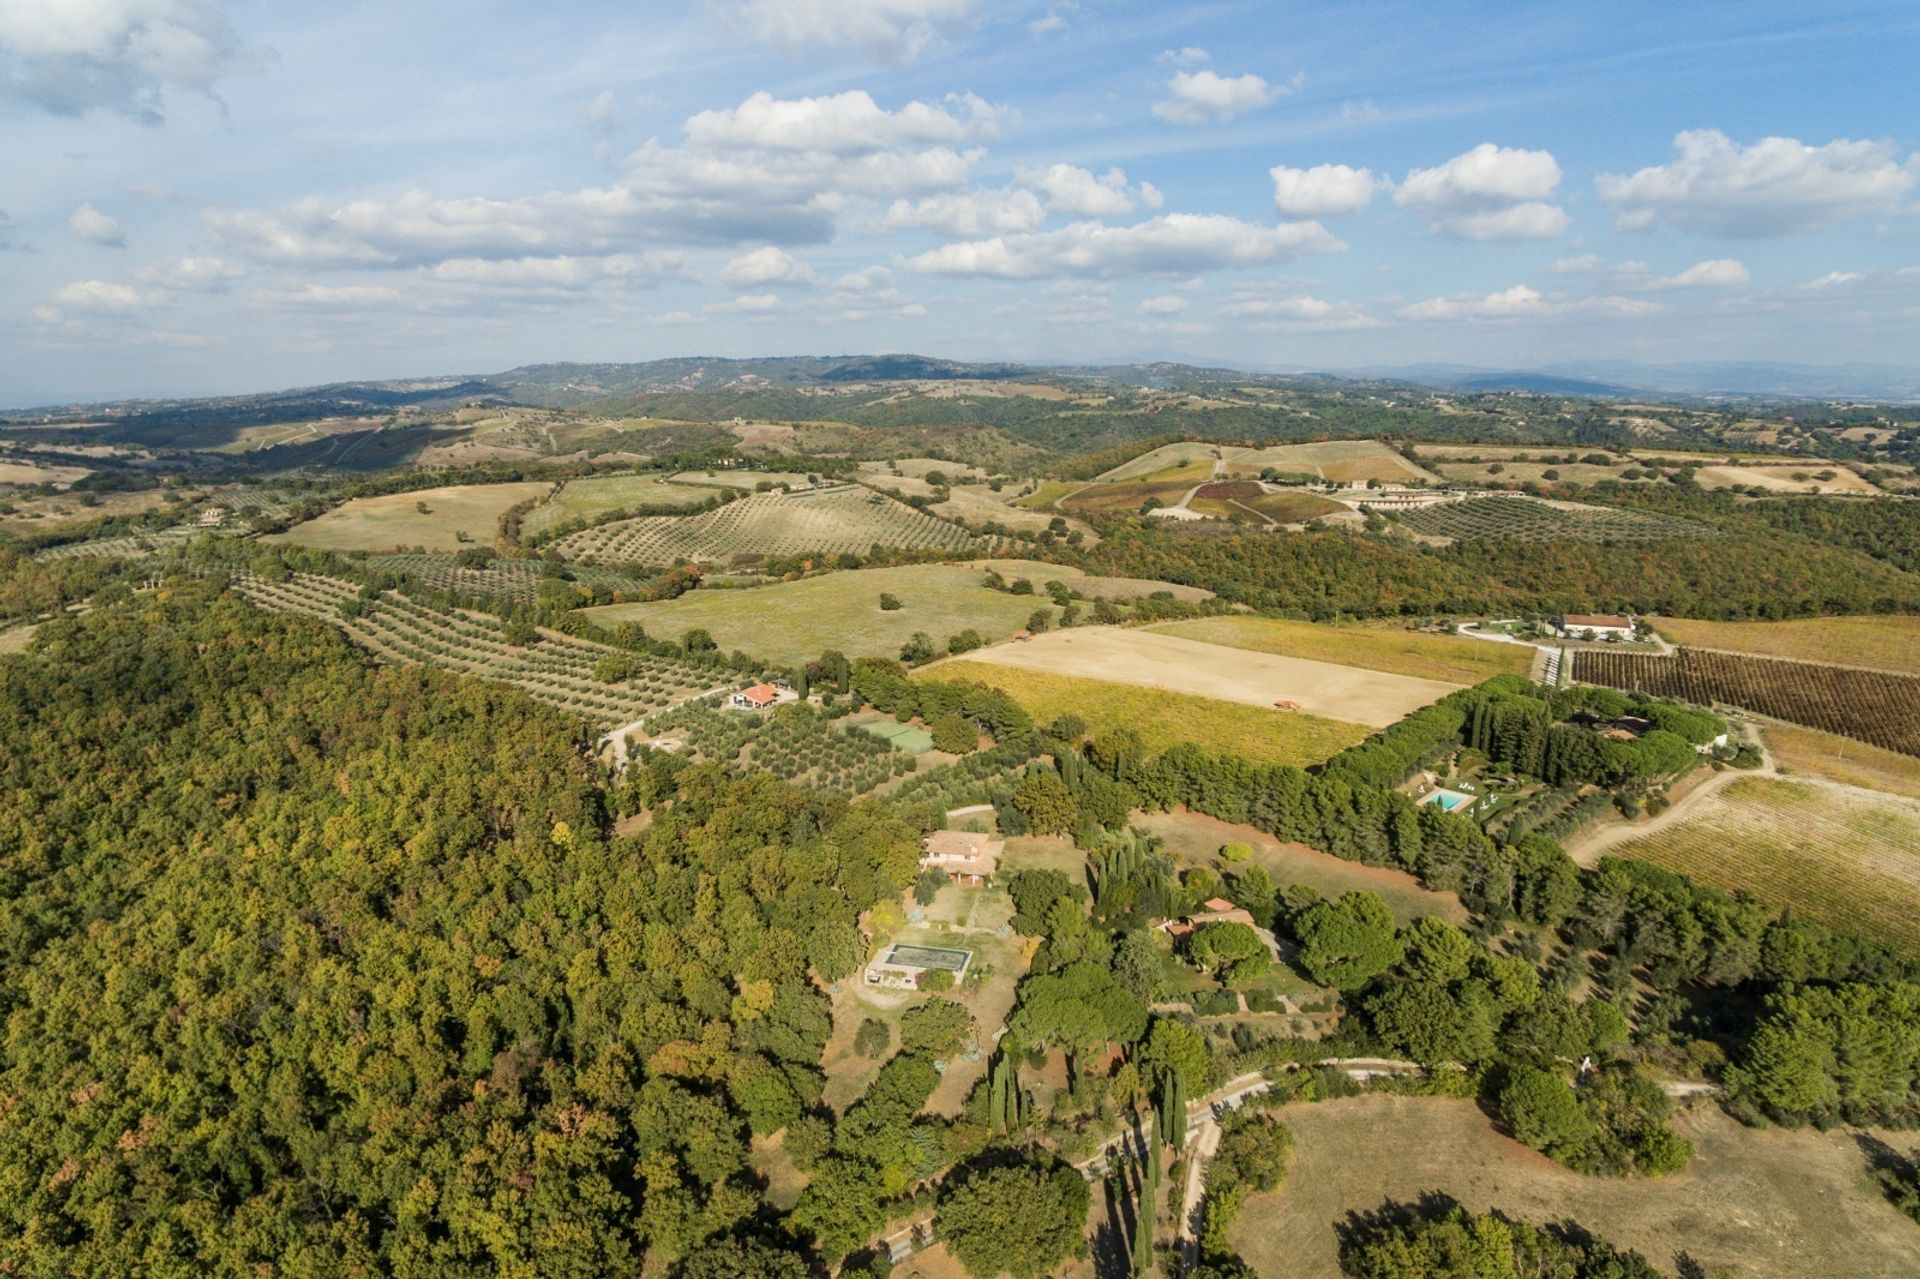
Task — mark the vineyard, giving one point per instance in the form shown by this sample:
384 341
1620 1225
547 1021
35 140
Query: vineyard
846 520
795 744
558 670
1875 707
1521 519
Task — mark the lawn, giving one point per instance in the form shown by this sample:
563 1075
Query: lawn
599 494
1163 718
1884 643
1841 759
1847 858
1438 657
791 622
398 520
1754 1202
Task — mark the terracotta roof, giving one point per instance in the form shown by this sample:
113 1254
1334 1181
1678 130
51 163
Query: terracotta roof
760 694
1596 619
1218 903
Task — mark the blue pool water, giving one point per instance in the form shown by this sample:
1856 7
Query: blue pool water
1447 800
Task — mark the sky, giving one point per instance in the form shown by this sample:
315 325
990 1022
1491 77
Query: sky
222 196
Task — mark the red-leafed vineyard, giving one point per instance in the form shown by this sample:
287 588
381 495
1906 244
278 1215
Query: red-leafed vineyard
1870 706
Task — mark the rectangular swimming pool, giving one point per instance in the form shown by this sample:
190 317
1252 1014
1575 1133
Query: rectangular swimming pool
1448 800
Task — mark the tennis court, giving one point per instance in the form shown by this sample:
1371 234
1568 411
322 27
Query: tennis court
902 737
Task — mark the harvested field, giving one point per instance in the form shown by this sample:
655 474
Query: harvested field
1151 659
1883 643
1837 759
394 521
848 520
1802 477
1760 1202
1340 461
1445 658
1848 858
1163 718
1516 472
793 622
598 495
745 480
1872 706
28 473
1525 519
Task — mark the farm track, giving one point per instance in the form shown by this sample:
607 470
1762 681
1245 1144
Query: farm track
1876 707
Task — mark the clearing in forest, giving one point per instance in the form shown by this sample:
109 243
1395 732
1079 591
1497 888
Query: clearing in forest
1446 658
439 519
1848 858
1883 643
1754 1201
1163 718
1258 679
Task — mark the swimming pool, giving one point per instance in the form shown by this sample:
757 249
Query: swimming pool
1448 800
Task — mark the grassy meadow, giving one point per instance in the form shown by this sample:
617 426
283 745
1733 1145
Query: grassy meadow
434 519
1884 643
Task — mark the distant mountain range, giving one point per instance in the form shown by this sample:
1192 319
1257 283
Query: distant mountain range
566 384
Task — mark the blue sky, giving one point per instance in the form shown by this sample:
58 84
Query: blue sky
205 196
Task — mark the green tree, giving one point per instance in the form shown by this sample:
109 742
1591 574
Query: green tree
1021 1219
1348 942
1543 1112
1176 1050
954 734
937 1028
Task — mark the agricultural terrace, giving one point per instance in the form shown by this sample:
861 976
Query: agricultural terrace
1336 461
1848 858
1247 500
558 670
847 520
1151 659
1883 643
1839 759
792 622
439 519
1875 707
598 495
1526 519
1163 718
1445 658
504 577
747 481
1754 1201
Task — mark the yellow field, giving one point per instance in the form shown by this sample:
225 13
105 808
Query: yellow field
1841 759
1162 718
1373 648
1846 858
599 494
396 520
1782 479
1883 643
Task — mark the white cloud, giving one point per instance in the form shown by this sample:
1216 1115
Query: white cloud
1524 302
99 297
562 273
71 56
1191 56
1714 273
1776 186
746 304
1182 242
1165 304
1076 191
1298 313
864 280
769 264
1582 264
89 223
967 215
1488 193
1834 278
1049 22
895 31
1325 190
850 123
326 297
1197 97
189 275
